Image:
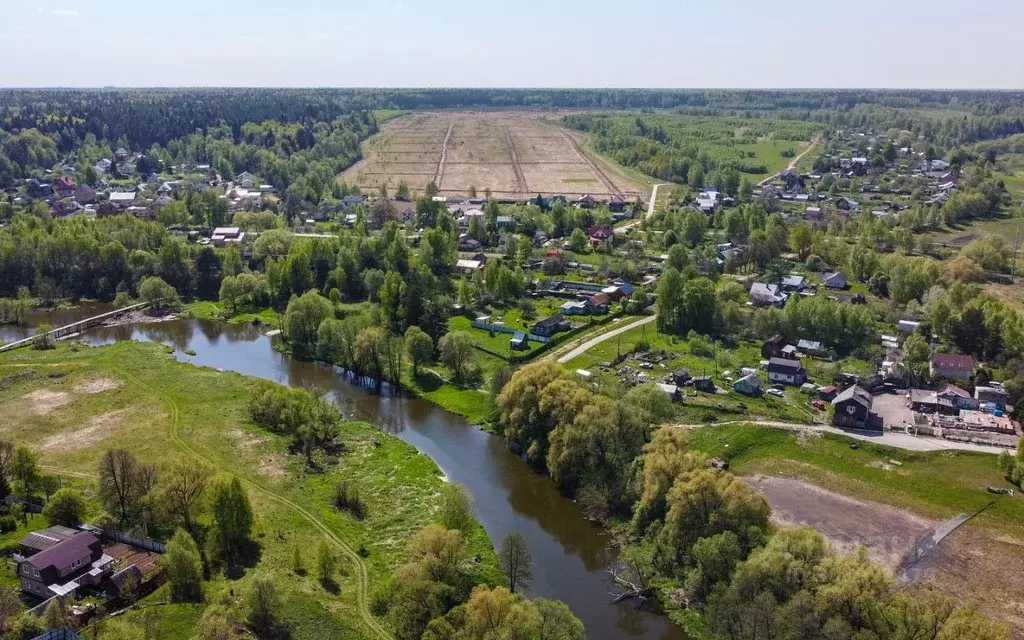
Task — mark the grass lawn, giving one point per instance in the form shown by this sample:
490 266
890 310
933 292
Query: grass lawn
71 404
702 407
207 310
938 484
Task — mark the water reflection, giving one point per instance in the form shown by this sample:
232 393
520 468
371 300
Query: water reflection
570 555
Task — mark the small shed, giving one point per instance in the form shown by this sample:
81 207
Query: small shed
704 383
748 385
519 341
671 389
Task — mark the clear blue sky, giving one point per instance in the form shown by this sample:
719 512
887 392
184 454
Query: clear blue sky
535 43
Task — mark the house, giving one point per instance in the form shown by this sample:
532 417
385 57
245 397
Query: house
246 180
706 203
504 222
907 326
469 267
959 398
785 371
121 153
586 202
347 202
599 303
774 347
550 326
836 280
672 390
38 541
469 243
468 216
828 392
85 194
810 347
519 341
60 569
793 283
165 188
951 366
748 385
577 307
991 395
680 376
616 204
227 235
163 200
64 186
601 235
122 197
103 166
813 214
853 408
763 295
704 383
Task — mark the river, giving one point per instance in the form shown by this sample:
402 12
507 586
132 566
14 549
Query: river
570 555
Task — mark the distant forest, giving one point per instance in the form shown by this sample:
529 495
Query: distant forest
148 116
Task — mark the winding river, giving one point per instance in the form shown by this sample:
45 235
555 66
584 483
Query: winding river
570 555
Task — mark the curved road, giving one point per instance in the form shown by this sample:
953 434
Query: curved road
792 163
650 207
593 342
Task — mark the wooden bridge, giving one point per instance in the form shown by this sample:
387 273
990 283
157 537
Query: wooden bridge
75 327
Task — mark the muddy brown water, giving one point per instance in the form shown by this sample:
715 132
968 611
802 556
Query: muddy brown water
571 556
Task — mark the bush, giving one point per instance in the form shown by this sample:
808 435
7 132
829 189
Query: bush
456 507
347 498
8 524
66 507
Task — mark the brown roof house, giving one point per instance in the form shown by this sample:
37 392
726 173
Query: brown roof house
853 408
951 366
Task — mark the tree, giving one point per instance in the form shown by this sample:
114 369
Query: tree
419 346
263 606
183 490
10 607
232 518
515 561
183 567
325 562
526 422
456 509
6 473
302 318
66 507
124 483
158 293
57 616
24 471
578 241
801 238
457 353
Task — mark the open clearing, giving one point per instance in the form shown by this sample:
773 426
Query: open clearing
888 533
513 154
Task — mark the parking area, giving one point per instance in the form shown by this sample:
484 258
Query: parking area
892 407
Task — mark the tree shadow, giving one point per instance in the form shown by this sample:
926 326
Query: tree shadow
244 556
330 586
428 381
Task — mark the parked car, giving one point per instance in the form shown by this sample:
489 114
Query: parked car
776 392
819 405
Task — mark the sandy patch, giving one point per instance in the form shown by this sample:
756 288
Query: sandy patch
98 386
272 466
45 401
94 431
888 533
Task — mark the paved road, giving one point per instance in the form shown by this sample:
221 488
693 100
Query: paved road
889 438
593 342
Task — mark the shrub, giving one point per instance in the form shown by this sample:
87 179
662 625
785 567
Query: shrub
65 507
347 498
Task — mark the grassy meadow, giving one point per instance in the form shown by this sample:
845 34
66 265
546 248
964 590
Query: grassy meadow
72 404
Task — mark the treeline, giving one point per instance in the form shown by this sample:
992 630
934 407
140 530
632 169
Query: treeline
704 536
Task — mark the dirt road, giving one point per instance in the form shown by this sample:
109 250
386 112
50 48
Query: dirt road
439 174
792 163
593 165
593 342
522 187
650 206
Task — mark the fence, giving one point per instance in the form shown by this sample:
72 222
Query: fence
486 325
141 543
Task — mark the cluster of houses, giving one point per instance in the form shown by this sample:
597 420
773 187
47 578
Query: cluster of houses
63 561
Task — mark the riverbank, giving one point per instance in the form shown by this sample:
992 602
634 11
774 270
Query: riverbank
207 310
164 410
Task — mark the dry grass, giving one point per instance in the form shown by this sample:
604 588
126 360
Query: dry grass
409 150
45 401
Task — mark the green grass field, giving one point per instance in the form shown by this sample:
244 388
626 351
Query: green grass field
70 405
207 310
938 484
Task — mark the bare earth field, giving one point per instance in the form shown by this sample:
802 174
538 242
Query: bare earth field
513 154
971 563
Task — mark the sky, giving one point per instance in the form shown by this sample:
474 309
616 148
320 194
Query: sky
520 43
